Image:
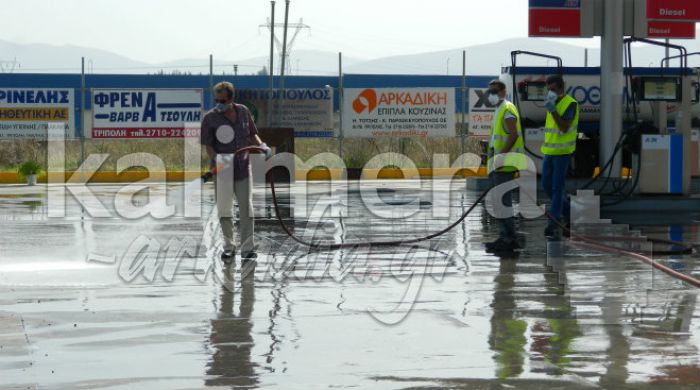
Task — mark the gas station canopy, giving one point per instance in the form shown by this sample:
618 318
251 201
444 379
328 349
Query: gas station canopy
642 18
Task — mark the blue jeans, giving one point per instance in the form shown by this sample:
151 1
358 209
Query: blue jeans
554 170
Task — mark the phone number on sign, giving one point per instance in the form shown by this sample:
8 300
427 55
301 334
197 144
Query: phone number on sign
177 132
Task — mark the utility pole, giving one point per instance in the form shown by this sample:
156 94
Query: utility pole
463 94
82 132
284 47
284 57
211 78
284 43
297 27
340 104
272 63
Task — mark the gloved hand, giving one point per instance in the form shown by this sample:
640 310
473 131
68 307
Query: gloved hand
550 101
550 105
207 177
499 160
268 151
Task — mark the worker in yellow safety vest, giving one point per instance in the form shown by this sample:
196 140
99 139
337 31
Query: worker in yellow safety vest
505 158
560 133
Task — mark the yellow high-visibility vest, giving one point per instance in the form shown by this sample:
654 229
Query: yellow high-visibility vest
515 159
556 142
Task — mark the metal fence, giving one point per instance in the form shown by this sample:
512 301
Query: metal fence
354 151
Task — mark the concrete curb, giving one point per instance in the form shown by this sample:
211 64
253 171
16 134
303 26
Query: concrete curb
310 174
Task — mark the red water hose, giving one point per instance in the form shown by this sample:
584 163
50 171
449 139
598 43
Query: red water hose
648 260
588 241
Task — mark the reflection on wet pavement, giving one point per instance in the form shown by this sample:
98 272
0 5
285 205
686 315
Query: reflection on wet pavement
76 312
231 341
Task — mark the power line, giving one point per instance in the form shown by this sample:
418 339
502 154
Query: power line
297 28
9 66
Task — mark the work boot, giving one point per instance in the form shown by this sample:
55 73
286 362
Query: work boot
550 231
227 256
493 244
503 245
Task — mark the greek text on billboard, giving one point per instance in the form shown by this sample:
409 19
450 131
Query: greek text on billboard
308 111
399 112
145 113
26 112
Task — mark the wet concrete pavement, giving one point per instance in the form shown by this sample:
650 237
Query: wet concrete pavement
129 304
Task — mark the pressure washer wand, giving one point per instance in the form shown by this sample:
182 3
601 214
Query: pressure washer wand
208 176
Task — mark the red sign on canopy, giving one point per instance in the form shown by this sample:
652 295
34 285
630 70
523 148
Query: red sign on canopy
675 10
554 22
663 29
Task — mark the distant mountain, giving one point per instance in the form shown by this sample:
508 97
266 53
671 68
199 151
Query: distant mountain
42 58
487 59
481 60
302 62
484 59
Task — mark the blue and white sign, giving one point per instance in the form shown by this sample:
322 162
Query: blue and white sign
480 112
25 113
146 113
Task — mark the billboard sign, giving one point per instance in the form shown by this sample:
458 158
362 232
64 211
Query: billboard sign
145 113
308 111
399 112
480 112
554 18
26 112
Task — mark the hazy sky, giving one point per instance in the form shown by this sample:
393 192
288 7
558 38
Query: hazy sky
164 30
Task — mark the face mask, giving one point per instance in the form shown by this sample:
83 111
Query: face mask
493 99
222 107
551 95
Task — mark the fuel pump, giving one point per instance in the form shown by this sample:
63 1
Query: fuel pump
665 166
695 120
